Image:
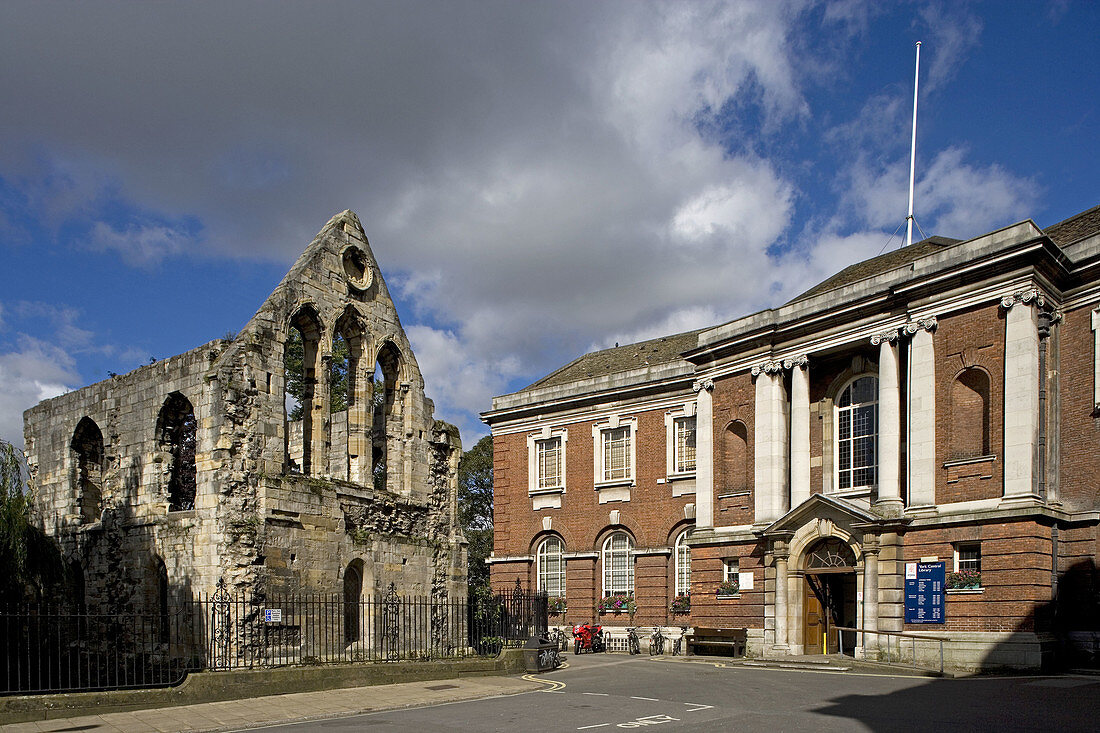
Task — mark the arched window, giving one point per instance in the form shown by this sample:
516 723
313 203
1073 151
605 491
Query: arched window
160 599
87 452
857 434
300 384
176 435
683 564
618 565
387 409
349 397
735 457
551 567
353 592
969 414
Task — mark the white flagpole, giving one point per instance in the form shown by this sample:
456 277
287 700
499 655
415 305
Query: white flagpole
912 154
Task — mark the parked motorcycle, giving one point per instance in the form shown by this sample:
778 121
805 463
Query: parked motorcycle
588 638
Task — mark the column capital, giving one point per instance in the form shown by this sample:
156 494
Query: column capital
702 384
767 367
1027 296
796 361
928 323
889 335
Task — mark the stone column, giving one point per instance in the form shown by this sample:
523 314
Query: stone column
922 413
1096 358
889 424
800 428
1021 414
870 593
770 450
704 453
781 553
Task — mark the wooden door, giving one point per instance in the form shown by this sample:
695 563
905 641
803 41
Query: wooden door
814 621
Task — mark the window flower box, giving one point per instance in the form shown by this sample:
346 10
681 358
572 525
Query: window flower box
681 603
728 589
964 580
555 605
617 604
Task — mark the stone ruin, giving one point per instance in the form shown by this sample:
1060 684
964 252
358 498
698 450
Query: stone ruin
164 481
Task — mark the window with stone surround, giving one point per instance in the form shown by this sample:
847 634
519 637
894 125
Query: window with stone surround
613 452
546 460
618 565
176 437
968 557
87 455
550 560
683 564
731 568
856 421
684 458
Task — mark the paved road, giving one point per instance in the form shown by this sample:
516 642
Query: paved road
604 693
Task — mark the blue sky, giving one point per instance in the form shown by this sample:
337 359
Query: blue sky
537 179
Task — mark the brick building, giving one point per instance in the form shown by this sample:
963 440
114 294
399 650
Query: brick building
164 481
936 403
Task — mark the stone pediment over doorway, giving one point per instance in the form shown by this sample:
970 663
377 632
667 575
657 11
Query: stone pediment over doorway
818 509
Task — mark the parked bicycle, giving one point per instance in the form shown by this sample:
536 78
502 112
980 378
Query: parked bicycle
561 642
656 642
678 642
550 658
632 644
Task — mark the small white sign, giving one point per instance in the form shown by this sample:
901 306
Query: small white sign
910 571
859 596
744 580
273 615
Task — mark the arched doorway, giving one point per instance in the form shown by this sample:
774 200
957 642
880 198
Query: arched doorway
830 596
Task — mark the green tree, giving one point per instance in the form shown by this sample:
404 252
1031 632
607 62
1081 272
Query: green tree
293 373
475 510
31 561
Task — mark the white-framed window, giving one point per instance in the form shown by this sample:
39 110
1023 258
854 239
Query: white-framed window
856 415
546 460
683 564
680 442
731 569
968 556
613 451
618 565
551 566
684 459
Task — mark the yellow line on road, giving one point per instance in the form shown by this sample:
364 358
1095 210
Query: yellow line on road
554 685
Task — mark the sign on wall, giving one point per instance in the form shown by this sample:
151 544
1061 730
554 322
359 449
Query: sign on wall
925 593
273 615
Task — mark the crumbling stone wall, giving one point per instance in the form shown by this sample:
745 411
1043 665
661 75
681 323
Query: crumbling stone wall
261 522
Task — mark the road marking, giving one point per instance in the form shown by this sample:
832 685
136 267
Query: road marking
698 706
651 699
598 694
555 685
598 725
647 720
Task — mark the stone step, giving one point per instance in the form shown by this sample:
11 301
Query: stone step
796 665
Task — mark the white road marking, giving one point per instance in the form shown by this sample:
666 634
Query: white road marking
651 699
598 725
698 706
598 694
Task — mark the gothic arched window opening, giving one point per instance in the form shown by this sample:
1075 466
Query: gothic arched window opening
87 451
176 434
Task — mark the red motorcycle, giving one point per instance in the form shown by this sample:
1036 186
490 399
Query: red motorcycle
588 638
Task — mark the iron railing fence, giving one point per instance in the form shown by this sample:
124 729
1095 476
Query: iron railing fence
53 647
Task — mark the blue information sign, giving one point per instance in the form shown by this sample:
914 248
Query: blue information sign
925 593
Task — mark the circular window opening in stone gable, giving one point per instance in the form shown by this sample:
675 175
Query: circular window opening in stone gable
357 267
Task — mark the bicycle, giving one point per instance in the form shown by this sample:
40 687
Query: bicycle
558 637
632 645
677 644
656 642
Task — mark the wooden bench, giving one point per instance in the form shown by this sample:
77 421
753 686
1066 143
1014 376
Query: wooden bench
722 641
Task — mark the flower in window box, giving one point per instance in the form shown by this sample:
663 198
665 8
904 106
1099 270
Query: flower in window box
616 604
681 603
964 579
556 605
728 588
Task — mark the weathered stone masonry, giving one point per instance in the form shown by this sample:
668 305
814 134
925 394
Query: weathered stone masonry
372 490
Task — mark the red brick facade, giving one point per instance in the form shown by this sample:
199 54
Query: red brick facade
825 533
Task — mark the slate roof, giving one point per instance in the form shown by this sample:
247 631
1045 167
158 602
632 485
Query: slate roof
878 265
621 359
1076 227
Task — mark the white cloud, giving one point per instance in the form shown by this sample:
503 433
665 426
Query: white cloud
139 245
33 371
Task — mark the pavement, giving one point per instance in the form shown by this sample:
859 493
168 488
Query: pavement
290 708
